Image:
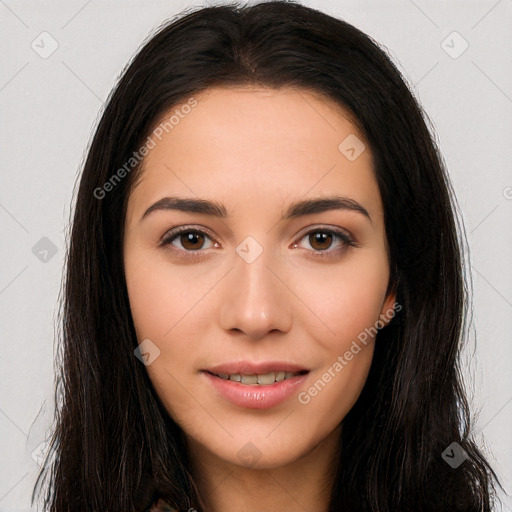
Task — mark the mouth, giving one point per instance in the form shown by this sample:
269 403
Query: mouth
255 386
260 379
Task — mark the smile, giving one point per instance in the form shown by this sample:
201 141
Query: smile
262 379
255 390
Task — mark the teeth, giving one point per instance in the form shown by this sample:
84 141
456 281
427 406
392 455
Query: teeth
267 378
263 379
249 379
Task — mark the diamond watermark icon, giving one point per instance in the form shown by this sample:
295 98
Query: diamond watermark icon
454 45
147 352
454 455
44 250
249 454
351 147
249 249
44 45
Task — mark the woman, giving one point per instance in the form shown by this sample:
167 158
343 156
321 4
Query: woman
264 300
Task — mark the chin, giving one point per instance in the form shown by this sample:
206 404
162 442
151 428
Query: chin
262 451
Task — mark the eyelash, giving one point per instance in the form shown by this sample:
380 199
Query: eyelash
346 240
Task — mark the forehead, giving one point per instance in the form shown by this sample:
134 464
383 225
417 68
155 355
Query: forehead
241 142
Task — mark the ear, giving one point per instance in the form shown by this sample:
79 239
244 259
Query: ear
389 309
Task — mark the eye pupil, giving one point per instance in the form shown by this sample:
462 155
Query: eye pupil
191 237
320 237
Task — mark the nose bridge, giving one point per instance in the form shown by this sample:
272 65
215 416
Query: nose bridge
254 300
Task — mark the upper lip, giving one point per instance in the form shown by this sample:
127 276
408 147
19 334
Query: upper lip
250 368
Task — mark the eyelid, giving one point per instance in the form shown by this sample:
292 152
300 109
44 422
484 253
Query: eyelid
324 227
178 230
346 238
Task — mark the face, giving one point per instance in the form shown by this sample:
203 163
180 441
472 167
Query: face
256 309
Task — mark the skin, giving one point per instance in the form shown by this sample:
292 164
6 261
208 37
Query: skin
256 151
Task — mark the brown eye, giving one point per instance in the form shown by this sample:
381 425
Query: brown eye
327 243
320 240
192 240
186 240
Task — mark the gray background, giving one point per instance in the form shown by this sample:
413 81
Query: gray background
50 105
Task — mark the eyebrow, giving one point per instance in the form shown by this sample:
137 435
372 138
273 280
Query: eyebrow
295 210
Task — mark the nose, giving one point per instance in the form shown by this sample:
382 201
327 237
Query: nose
255 299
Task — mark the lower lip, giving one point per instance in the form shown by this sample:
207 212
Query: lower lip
255 396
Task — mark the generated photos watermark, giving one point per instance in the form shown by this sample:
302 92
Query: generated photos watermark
163 128
305 397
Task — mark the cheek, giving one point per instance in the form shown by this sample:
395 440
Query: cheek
349 305
166 306
346 300
159 303
158 296
151 304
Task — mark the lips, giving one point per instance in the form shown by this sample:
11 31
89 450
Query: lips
263 374
257 386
